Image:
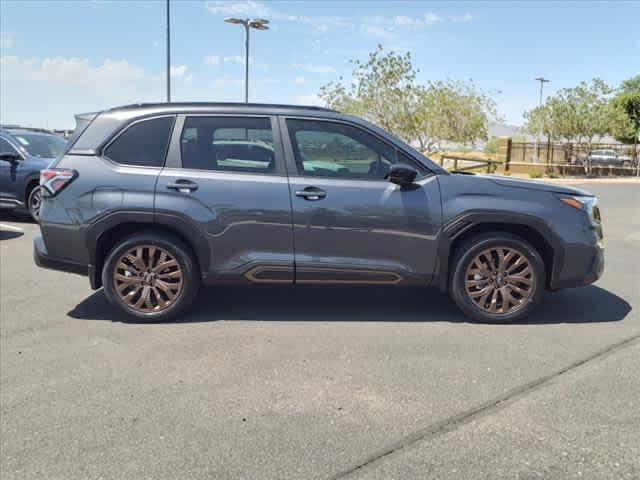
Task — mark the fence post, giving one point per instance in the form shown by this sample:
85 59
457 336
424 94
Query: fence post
504 152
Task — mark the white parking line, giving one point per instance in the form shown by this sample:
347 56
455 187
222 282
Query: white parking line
10 228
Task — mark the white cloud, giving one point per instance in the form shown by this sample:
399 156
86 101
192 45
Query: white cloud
6 40
431 18
299 79
226 81
234 59
466 18
309 67
308 100
68 86
178 71
377 31
211 60
246 8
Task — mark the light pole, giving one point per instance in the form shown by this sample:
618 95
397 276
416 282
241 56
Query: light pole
542 81
248 23
168 54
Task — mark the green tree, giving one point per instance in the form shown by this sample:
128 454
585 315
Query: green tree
450 111
627 102
383 89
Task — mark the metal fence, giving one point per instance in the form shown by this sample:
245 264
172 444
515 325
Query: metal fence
563 153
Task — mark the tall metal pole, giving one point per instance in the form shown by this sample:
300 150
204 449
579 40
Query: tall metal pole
246 62
168 53
542 81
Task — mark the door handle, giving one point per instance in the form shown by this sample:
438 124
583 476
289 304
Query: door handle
311 193
183 186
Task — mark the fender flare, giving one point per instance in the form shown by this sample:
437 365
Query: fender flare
464 222
180 224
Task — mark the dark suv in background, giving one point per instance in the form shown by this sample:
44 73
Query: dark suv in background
150 201
23 153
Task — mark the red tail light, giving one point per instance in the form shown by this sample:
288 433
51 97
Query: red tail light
54 180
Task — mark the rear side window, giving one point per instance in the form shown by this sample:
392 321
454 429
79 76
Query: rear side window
142 144
237 144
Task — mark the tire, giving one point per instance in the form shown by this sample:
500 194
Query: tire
626 164
133 268
471 278
33 203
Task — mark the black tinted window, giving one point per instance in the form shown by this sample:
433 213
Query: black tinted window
329 149
228 144
143 143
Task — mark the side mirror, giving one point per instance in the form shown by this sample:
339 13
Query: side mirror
403 175
10 156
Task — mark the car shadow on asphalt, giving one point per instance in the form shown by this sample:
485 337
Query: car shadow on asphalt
589 304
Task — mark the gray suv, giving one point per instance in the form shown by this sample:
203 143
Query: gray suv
151 201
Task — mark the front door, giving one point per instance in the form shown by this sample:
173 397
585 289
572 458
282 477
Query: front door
226 175
350 224
9 175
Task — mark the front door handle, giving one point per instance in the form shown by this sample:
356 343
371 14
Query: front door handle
183 186
311 193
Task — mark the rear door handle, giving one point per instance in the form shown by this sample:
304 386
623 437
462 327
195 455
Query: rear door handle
311 193
183 186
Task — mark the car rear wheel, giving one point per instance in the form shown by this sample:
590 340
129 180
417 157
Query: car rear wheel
34 200
626 164
497 277
151 276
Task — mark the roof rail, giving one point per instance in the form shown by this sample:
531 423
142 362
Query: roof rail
7 127
222 104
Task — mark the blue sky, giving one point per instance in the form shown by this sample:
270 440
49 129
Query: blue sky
62 58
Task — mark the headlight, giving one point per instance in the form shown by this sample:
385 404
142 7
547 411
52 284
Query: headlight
582 202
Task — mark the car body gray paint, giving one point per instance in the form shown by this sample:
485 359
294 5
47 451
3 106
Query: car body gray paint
361 230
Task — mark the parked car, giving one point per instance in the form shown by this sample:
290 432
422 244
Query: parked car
151 201
23 153
606 158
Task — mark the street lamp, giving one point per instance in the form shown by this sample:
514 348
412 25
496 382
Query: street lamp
247 23
542 81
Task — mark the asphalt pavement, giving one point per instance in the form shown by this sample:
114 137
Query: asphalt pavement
321 382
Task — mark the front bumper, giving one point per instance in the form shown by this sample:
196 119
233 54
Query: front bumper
581 267
43 260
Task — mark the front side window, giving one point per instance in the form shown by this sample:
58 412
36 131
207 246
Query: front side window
6 147
328 149
142 144
239 144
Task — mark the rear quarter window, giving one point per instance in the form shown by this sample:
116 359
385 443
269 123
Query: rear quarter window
142 144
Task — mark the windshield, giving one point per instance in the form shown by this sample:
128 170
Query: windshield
43 146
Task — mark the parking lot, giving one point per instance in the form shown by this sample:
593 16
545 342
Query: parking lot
321 382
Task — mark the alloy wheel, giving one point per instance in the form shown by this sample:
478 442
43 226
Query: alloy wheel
499 280
34 202
147 278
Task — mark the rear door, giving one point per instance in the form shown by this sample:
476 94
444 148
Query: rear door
226 175
350 224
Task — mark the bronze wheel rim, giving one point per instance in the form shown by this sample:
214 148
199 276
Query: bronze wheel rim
499 280
148 278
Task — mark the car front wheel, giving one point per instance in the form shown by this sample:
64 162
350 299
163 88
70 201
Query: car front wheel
497 277
151 276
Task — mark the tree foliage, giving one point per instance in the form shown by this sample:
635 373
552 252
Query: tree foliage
579 114
627 102
384 90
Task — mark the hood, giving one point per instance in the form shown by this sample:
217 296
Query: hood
535 185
